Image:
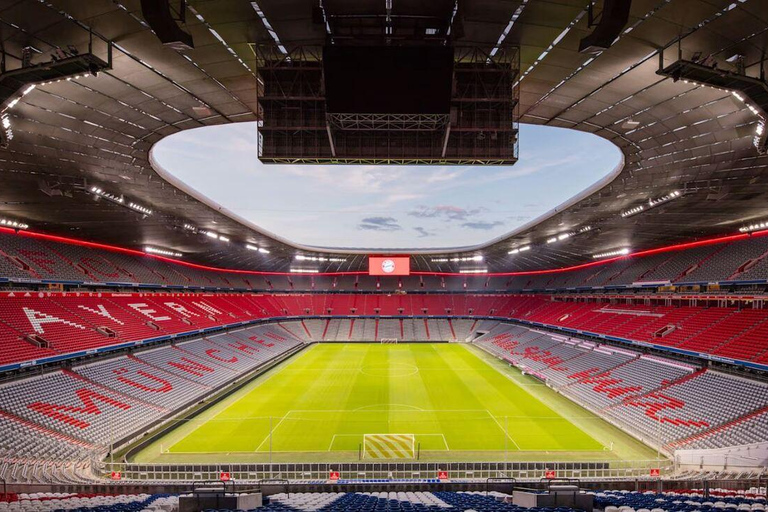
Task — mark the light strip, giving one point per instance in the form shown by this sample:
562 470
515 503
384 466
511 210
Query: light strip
119 199
550 47
753 227
759 140
16 100
569 234
13 224
458 259
559 238
477 257
520 249
740 98
301 257
271 31
112 197
632 211
664 199
648 252
140 209
508 28
164 252
617 252
473 271
215 236
652 203
220 39
6 121
304 271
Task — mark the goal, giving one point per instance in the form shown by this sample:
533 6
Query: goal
389 446
389 340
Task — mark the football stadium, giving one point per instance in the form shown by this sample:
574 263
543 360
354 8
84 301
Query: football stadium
383 255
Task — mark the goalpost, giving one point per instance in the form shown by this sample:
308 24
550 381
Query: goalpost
389 446
389 340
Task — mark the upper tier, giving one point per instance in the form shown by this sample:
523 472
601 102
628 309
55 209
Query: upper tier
28 257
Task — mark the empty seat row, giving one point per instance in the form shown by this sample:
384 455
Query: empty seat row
660 401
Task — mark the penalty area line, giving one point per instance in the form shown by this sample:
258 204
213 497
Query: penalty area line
257 382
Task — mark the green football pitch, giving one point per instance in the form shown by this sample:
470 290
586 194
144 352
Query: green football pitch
452 402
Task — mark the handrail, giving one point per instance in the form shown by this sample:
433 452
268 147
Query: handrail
283 481
565 480
499 480
213 483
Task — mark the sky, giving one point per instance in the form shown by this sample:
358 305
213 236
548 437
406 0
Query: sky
387 206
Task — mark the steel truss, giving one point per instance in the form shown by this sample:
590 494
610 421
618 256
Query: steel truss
296 128
386 122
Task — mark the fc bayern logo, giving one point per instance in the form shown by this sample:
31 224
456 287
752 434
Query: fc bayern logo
388 266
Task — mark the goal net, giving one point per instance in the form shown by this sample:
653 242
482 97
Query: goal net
389 340
389 446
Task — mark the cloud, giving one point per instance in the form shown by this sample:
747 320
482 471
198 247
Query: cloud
396 198
379 224
396 182
423 233
447 211
485 226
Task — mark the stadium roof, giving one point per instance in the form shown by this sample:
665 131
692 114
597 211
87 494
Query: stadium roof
75 136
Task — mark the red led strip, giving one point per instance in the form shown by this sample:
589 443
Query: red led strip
133 252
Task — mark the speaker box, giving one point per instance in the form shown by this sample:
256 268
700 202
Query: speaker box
614 18
158 15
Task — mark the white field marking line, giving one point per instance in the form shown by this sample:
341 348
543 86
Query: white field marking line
272 433
509 377
504 431
277 372
396 410
559 450
506 375
343 369
513 380
336 411
408 407
415 370
333 440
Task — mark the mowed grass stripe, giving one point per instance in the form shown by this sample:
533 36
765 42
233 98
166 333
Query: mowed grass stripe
430 390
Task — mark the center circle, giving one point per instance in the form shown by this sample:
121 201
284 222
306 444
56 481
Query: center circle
390 370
